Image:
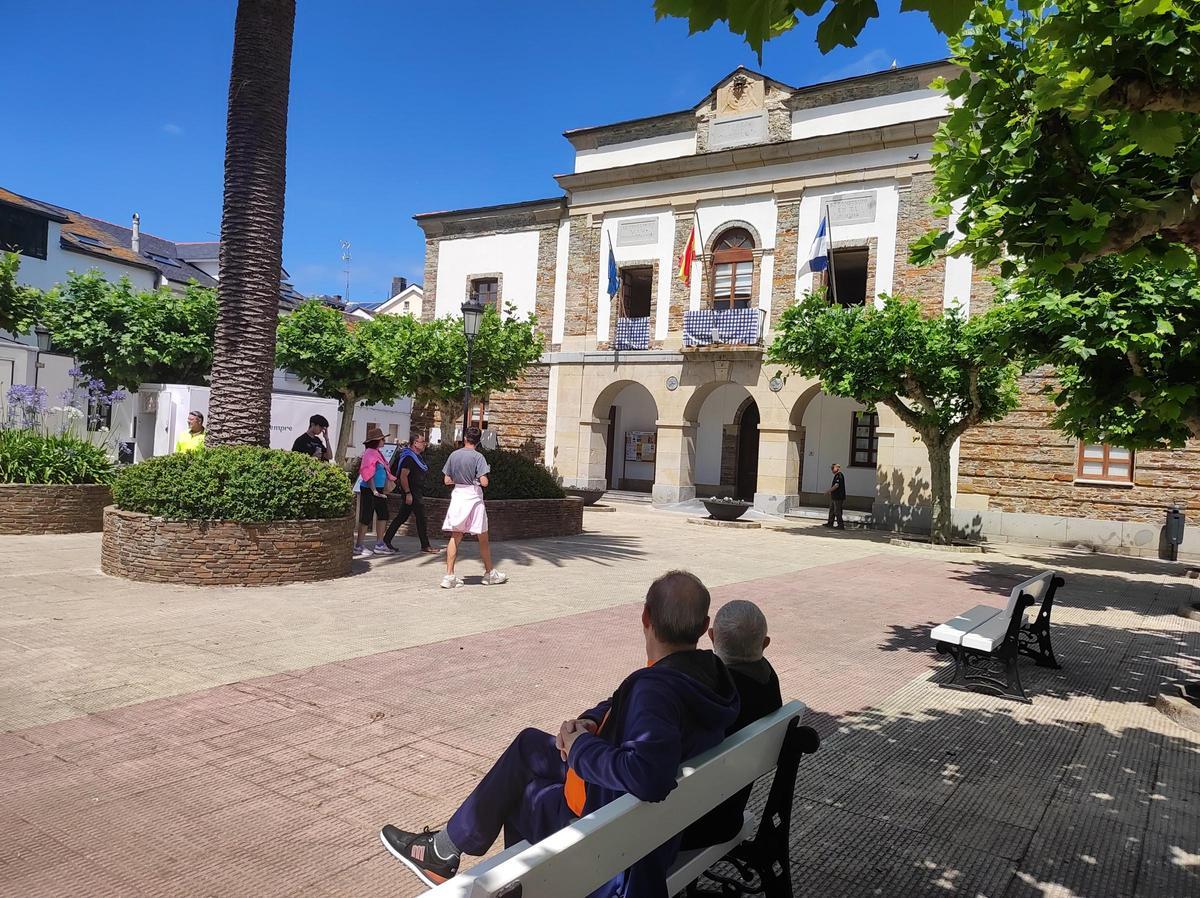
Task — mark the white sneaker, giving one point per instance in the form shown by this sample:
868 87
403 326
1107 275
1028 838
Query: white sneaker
451 582
362 552
494 578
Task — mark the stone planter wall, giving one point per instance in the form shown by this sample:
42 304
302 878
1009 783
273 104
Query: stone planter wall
224 553
34 508
508 518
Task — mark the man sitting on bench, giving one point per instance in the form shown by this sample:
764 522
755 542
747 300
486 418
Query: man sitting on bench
679 705
739 636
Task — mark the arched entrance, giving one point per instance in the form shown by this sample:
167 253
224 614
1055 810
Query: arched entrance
726 419
628 415
747 451
834 429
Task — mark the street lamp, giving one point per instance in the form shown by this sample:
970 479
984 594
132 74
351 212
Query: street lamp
42 335
472 312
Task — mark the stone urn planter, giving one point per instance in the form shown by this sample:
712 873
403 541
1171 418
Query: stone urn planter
139 546
38 508
589 497
726 509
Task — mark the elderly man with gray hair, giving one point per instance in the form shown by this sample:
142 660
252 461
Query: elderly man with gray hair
739 636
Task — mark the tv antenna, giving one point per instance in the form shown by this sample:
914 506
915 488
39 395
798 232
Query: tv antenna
346 262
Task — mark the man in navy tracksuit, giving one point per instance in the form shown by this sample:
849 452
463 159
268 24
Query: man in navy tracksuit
676 707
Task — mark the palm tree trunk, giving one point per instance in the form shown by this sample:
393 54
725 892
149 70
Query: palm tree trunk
252 223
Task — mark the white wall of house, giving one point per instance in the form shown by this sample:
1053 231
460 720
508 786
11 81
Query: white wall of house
514 256
872 112
631 152
659 250
827 440
883 228
53 270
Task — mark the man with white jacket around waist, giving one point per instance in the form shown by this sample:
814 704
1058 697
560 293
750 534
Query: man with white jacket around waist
467 471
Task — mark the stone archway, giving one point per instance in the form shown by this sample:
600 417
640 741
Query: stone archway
624 420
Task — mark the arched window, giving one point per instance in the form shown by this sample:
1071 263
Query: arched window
732 269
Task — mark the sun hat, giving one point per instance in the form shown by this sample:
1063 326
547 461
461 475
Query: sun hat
374 433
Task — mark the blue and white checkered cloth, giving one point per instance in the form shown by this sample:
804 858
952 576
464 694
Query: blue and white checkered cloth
730 326
632 333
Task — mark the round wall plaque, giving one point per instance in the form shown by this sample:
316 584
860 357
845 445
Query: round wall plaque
672 383
776 384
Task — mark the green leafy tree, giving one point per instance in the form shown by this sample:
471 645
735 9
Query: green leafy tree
351 362
20 306
126 336
434 360
1125 344
938 374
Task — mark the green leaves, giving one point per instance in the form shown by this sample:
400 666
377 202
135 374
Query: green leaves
29 456
947 16
20 306
1159 133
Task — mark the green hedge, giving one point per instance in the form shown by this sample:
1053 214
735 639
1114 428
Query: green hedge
234 483
514 476
27 456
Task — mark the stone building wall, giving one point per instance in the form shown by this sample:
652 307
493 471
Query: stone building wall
519 415
509 518
582 273
915 217
1021 464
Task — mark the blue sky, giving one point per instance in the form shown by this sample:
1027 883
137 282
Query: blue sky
396 108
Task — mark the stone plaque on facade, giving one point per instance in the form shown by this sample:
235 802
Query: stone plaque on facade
737 130
637 232
852 208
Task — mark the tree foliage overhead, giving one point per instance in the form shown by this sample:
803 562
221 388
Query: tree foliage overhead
20 306
126 336
940 375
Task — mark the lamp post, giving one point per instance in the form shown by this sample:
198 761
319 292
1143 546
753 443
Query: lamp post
472 312
42 335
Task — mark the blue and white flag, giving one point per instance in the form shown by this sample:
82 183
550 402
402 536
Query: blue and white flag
614 281
818 256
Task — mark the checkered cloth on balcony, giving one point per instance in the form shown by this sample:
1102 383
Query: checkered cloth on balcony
632 333
732 326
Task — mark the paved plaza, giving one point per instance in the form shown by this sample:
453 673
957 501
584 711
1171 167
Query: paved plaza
185 741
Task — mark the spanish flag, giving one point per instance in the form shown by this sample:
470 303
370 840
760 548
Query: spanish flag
685 260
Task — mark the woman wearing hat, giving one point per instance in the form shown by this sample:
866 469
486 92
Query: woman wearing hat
375 481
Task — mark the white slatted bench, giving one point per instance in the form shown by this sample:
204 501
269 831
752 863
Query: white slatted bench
581 857
985 642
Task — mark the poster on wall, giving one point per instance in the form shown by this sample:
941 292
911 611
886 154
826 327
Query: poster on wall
640 445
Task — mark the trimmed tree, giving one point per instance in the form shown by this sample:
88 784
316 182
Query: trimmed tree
20 306
252 223
938 374
351 362
127 337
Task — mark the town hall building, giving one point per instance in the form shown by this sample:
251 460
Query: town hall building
654 384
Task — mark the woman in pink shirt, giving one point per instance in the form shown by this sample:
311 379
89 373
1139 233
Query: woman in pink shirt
375 481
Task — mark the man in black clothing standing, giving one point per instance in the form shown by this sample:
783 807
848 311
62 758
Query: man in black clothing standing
315 440
837 498
410 469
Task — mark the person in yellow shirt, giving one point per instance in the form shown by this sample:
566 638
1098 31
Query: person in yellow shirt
194 438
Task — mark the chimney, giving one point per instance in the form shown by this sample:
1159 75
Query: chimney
136 240
399 285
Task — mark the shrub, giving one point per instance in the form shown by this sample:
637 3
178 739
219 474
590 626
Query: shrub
29 456
234 483
514 476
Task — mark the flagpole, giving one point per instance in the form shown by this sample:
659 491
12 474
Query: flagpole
829 253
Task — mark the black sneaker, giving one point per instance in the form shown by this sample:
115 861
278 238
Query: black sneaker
415 851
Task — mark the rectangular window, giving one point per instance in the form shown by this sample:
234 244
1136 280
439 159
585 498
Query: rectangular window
849 276
1100 461
635 291
864 439
99 414
485 291
23 232
732 283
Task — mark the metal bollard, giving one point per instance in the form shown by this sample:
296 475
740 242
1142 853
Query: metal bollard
1174 530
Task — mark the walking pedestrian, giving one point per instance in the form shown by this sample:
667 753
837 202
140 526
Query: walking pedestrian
375 481
467 471
315 440
410 470
194 438
837 498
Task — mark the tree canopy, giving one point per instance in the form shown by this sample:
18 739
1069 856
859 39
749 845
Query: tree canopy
20 306
940 375
126 336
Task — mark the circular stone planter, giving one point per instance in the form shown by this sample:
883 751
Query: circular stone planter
507 518
37 508
727 509
589 497
1181 703
224 553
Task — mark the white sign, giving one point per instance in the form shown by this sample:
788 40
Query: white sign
852 208
637 232
737 130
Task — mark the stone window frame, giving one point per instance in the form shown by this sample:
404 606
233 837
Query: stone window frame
614 304
871 245
707 277
872 440
497 276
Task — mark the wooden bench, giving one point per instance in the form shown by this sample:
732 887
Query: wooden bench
986 642
581 857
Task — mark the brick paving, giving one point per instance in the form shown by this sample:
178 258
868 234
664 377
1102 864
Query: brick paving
276 785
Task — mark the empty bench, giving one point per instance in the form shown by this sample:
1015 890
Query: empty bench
986 642
581 857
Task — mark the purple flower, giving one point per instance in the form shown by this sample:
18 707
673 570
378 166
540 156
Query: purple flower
75 372
117 395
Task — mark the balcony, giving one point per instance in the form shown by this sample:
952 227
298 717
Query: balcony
723 328
632 333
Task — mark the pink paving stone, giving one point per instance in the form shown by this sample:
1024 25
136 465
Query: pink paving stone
277 786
